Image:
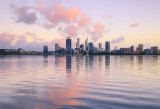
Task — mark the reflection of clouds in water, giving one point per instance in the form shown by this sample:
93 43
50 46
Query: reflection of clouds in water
101 80
32 102
78 62
58 59
86 62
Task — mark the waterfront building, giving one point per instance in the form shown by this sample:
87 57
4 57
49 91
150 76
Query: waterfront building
78 43
86 44
57 48
140 48
125 50
82 46
132 49
68 43
20 50
148 51
155 49
91 47
45 49
100 47
107 46
95 50
115 50
158 52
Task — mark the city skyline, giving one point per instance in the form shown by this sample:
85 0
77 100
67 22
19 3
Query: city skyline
90 48
33 23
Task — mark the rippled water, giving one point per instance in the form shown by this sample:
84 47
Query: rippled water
89 82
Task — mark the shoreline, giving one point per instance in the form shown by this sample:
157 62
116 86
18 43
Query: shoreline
80 54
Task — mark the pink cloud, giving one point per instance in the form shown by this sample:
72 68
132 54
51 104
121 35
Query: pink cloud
135 25
97 31
72 30
40 6
84 20
61 14
99 27
6 40
61 42
12 41
69 21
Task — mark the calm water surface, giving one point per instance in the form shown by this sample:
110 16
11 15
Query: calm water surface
89 82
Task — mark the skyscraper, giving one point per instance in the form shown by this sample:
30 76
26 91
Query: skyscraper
155 49
140 48
107 46
91 47
100 47
86 44
45 49
132 49
68 43
78 43
82 46
57 48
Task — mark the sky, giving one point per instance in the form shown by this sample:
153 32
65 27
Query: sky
30 24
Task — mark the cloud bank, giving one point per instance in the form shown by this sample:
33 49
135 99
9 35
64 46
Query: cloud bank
69 20
24 14
27 41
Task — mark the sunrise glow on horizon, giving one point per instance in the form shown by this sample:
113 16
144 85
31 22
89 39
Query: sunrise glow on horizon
30 24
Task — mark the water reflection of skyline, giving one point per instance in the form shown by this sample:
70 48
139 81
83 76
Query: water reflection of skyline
68 63
45 60
100 80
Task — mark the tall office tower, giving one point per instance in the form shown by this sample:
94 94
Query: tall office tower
82 46
45 49
132 49
68 43
78 43
91 47
107 46
140 48
155 49
100 47
86 44
57 48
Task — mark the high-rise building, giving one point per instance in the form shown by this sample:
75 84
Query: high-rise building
140 48
100 47
125 50
95 49
132 49
148 51
45 49
82 46
155 49
107 46
57 48
86 44
78 43
68 43
91 47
